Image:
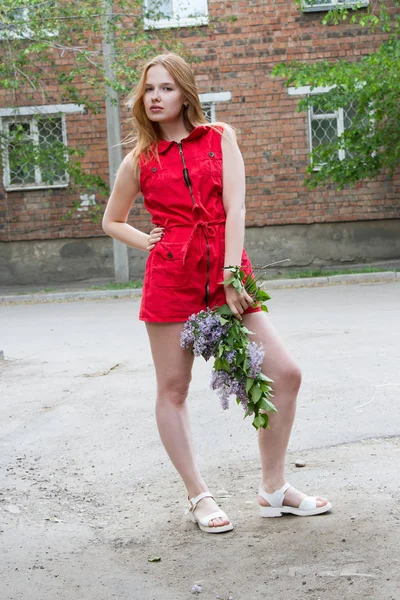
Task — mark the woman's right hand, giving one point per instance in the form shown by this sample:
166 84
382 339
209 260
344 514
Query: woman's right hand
237 302
155 236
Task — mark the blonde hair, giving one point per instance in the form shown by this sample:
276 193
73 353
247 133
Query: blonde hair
148 132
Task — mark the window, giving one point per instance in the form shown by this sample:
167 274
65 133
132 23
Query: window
33 141
208 102
14 24
161 14
325 128
321 5
209 111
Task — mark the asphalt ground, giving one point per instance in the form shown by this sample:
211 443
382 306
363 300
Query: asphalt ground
88 495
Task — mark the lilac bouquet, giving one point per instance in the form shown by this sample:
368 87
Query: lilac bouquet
219 334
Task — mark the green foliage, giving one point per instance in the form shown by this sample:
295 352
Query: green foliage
51 52
369 145
258 388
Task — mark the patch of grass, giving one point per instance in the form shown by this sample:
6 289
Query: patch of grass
134 284
325 273
41 291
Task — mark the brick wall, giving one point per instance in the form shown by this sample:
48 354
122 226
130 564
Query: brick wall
237 57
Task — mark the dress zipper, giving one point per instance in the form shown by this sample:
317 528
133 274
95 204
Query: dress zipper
208 271
186 172
188 182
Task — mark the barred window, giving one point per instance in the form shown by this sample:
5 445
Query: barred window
14 23
33 151
209 111
325 128
323 5
209 102
162 14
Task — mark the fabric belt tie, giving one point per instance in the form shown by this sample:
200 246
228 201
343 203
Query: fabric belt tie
208 227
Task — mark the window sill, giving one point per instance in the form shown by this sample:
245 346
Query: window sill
31 186
170 23
325 7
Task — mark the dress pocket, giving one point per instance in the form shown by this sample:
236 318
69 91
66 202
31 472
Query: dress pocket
167 268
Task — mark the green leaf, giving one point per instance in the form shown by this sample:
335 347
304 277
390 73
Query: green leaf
262 295
249 383
255 393
266 405
264 378
225 366
224 310
237 285
223 321
258 421
228 281
246 331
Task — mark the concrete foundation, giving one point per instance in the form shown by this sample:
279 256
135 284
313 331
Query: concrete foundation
64 260
307 246
325 244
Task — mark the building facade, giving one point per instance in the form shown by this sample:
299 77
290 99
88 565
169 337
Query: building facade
47 231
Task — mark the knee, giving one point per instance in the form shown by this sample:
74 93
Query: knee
295 377
289 379
174 390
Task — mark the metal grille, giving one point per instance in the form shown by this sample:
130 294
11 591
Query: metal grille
325 127
34 152
209 111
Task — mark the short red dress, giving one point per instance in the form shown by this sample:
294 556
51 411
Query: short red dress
183 194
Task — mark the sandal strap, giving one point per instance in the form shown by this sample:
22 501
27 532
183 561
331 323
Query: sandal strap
275 499
196 500
308 503
215 515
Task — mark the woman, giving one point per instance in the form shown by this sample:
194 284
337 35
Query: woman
193 181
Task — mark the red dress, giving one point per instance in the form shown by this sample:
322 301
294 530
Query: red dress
183 194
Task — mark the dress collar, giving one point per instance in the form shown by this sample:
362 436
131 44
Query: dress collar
197 132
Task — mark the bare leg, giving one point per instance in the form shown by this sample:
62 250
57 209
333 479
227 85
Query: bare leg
280 366
173 371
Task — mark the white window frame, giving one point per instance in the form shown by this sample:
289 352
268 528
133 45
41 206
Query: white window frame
317 7
26 114
338 114
175 21
213 98
24 33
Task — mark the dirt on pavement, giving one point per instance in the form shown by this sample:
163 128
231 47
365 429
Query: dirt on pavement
89 501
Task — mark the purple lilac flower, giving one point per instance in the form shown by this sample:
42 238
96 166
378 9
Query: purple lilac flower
187 336
227 385
202 332
238 388
221 383
255 355
230 356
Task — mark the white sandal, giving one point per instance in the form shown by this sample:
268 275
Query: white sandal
308 506
203 522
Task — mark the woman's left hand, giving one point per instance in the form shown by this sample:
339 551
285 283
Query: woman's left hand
155 236
237 302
